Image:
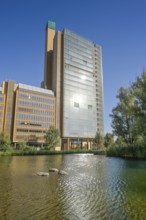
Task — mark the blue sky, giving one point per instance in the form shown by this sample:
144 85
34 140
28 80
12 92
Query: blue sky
117 25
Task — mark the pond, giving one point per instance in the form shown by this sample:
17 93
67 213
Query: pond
96 187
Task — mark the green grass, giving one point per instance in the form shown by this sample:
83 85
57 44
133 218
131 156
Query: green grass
48 152
137 152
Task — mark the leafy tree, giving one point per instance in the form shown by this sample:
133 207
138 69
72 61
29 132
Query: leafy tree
52 137
139 89
129 116
98 140
4 142
108 140
123 115
120 142
140 140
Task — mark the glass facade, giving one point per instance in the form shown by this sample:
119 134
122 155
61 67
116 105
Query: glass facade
79 89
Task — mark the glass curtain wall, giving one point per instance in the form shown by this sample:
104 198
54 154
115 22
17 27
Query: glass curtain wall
79 89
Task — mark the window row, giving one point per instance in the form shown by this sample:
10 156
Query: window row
78 37
78 44
78 81
33 124
79 65
76 53
34 117
28 137
36 98
77 70
80 61
79 75
88 58
35 111
36 104
76 104
30 130
1 99
71 87
80 49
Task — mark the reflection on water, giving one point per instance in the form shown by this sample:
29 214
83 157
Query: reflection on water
96 187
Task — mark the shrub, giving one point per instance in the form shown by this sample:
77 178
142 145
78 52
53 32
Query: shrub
5 142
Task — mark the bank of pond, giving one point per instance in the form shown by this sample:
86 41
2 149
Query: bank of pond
135 152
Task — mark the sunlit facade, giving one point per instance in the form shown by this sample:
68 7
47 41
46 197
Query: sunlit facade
27 112
79 97
75 75
71 97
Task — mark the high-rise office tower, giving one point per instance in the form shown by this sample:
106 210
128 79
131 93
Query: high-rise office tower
73 70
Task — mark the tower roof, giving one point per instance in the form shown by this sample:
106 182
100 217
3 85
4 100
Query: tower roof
51 25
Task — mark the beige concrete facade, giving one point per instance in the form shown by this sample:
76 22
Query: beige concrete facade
48 67
26 112
9 88
2 108
99 87
57 77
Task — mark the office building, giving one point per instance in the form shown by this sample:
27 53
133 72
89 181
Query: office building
71 97
73 70
26 112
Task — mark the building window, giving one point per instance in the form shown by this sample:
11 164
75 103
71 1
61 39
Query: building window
9 115
76 104
84 61
90 107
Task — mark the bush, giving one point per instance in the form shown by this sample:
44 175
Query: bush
21 146
5 143
138 152
24 147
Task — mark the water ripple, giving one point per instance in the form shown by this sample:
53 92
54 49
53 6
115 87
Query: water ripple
96 188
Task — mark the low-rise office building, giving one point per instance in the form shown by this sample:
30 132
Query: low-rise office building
26 112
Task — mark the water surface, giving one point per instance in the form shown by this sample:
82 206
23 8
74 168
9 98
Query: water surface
95 188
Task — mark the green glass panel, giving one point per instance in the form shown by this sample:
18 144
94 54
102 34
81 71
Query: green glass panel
51 25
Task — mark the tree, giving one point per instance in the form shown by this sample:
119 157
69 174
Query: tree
139 89
120 142
98 140
140 140
129 116
52 137
123 115
108 140
4 142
